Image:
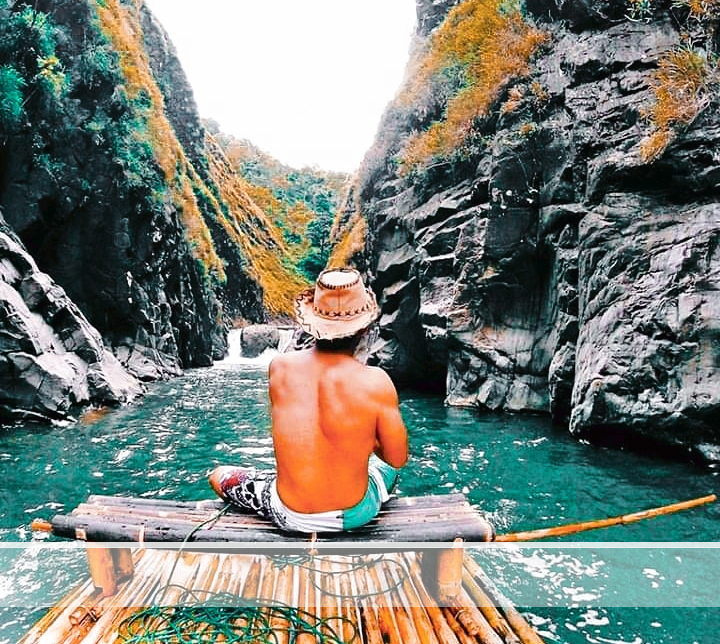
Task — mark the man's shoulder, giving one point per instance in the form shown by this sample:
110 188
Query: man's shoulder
287 360
377 373
378 380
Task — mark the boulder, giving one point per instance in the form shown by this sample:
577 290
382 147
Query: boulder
257 338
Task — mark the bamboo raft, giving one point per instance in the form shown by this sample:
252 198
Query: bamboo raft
380 601
405 578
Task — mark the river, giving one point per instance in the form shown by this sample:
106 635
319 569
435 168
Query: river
652 582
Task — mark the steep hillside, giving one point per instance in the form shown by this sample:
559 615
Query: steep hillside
539 216
111 184
301 202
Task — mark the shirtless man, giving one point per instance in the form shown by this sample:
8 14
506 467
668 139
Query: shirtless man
338 435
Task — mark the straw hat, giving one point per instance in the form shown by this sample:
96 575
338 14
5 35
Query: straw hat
338 307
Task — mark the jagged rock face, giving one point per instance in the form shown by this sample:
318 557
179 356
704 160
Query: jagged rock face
430 13
650 276
257 338
94 212
580 14
51 358
559 273
126 265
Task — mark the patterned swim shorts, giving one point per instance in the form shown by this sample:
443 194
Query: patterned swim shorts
256 490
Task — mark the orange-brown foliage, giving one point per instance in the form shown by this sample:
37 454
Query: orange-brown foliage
703 8
256 235
681 86
491 48
258 239
350 242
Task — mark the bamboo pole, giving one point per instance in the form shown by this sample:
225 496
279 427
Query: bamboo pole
420 618
267 583
442 629
308 604
252 581
491 614
449 571
403 618
249 592
127 601
522 629
346 626
388 627
143 592
329 602
53 626
351 624
462 636
368 612
123 562
278 621
573 528
102 569
473 620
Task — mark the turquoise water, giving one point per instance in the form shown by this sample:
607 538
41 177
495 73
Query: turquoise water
519 471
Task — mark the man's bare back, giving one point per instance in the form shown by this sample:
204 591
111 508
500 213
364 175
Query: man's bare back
329 413
338 436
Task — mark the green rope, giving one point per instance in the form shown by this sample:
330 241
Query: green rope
358 562
239 622
207 617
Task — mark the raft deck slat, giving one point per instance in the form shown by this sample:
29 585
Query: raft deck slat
385 599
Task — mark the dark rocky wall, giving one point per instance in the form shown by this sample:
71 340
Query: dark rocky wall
52 361
241 296
556 272
118 252
83 196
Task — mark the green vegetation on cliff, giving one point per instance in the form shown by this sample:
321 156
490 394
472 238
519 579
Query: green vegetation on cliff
79 97
301 202
118 24
687 77
480 47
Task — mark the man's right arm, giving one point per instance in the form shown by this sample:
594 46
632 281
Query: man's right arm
391 443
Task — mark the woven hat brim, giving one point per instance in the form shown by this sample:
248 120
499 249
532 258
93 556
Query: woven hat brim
324 328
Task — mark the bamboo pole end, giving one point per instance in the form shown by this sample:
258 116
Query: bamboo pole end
41 525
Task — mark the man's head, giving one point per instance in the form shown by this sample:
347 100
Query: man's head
339 306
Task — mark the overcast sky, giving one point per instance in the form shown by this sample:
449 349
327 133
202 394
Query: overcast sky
304 80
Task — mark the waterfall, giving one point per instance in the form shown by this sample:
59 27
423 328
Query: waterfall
235 357
286 336
234 348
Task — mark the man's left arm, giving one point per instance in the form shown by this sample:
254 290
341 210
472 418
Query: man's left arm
391 443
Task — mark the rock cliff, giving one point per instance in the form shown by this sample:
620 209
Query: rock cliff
51 359
124 225
557 266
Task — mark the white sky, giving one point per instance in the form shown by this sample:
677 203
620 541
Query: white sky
304 80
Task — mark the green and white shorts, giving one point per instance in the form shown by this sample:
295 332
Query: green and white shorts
256 490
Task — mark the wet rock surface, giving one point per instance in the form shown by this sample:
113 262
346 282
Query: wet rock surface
560 273
51 359
257 338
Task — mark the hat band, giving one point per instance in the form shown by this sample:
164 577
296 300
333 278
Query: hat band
343 314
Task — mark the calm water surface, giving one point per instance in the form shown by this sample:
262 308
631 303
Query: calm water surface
635 584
